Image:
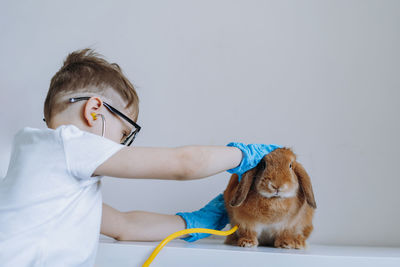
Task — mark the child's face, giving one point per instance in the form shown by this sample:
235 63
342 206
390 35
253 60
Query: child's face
80 113
116 128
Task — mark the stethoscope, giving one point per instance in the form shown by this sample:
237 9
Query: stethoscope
94 115
176 234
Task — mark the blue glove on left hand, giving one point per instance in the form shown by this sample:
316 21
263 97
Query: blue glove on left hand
252 154
211 216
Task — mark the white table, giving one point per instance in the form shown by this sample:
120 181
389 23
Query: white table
212 252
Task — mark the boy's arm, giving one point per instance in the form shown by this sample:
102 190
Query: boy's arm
182 163
139 225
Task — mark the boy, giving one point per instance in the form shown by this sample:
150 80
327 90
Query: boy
51 211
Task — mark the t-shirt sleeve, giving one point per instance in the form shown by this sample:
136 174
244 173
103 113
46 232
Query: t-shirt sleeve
85 151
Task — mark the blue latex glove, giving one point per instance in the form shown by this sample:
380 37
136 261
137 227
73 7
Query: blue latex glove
214 215
211 216
252 154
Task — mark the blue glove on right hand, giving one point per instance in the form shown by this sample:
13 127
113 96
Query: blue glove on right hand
211 216
252 154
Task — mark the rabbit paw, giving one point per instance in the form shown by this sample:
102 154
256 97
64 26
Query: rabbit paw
290 242
247 242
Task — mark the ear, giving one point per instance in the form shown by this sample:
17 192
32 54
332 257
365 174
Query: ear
92 105
245 184
305 183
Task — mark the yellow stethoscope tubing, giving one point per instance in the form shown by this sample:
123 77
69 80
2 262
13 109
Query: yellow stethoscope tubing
184 232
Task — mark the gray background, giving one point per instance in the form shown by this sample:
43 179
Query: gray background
321 77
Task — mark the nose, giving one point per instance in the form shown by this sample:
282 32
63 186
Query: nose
276 188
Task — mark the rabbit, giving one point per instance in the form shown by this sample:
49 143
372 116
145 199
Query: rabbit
273 204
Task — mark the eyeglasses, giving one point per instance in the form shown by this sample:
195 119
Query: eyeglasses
129 139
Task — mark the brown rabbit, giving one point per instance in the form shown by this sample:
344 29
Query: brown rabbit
273 204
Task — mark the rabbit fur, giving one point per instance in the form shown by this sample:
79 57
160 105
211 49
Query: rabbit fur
273 204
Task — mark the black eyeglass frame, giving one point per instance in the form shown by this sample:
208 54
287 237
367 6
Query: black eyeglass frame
117 112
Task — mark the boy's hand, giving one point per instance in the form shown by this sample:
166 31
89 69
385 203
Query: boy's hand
211 216
214 215
252 154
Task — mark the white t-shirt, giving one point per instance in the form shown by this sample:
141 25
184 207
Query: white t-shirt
50 205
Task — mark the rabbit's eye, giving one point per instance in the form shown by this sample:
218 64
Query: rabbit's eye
290 166
262 165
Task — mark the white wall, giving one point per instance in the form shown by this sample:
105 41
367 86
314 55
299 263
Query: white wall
319 76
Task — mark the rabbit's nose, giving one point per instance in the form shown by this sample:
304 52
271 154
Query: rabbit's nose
276 188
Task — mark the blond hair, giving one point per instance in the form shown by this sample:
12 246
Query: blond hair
86 71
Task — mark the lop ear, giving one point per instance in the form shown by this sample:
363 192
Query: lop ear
245 184
305 183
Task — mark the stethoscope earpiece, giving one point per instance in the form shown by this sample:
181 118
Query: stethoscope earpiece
94 115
